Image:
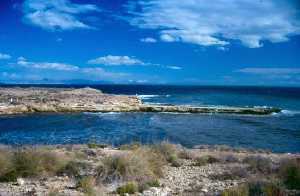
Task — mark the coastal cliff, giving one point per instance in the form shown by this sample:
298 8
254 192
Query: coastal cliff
30 100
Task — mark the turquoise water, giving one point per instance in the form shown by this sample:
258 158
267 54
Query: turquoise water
277 132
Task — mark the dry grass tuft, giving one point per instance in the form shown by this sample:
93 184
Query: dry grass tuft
139 165
204 160
87 185
29 163
256 188
259 164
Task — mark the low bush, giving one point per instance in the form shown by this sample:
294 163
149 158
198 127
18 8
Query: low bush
259 164
129 188
95 145
236 191
5 162
232 174
169 152
147 184
230 159
184 154
204 160
31 163
255 189
72 169
86 185
289 172
142 164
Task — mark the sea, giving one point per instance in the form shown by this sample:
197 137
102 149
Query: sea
278 132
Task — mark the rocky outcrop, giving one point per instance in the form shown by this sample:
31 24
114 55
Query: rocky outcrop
29 100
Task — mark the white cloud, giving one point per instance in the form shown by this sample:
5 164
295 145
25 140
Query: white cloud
168 37
142 81
174 67
116 60
126 60
56 14
4 56
46 65
270 71
148 40
218 22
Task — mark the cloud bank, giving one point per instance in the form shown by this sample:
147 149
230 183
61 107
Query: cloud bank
4 56
111 60
148 40
56 14
218 22
270 71
46 65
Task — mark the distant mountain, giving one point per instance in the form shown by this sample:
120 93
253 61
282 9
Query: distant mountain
49 81
80 81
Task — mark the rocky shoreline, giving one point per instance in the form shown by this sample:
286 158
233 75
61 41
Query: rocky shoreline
160 170
32 100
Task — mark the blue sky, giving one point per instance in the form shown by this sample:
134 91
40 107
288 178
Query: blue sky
224 42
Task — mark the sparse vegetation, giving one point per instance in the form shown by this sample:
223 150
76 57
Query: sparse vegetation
96 145
86 185
289 172
185 154
255 189
130 188
132 146
147 184
132 166
54 192
139 167
231 174
29 163
72 169
169 152
259 164
204 160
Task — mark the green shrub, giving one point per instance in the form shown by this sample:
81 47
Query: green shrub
204 160
147 184
112 168
5 162
169 152
86 185
31 163
259 164
129 188
255 189
153 183
236 191
173 159
95 145
72 169
290 173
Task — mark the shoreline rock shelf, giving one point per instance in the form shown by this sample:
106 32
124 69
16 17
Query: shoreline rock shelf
31 100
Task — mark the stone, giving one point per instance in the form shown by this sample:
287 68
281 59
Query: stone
20 181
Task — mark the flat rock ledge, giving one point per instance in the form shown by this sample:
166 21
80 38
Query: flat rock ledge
31 100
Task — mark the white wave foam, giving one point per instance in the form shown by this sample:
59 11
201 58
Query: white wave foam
287 113
147 96
102 113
